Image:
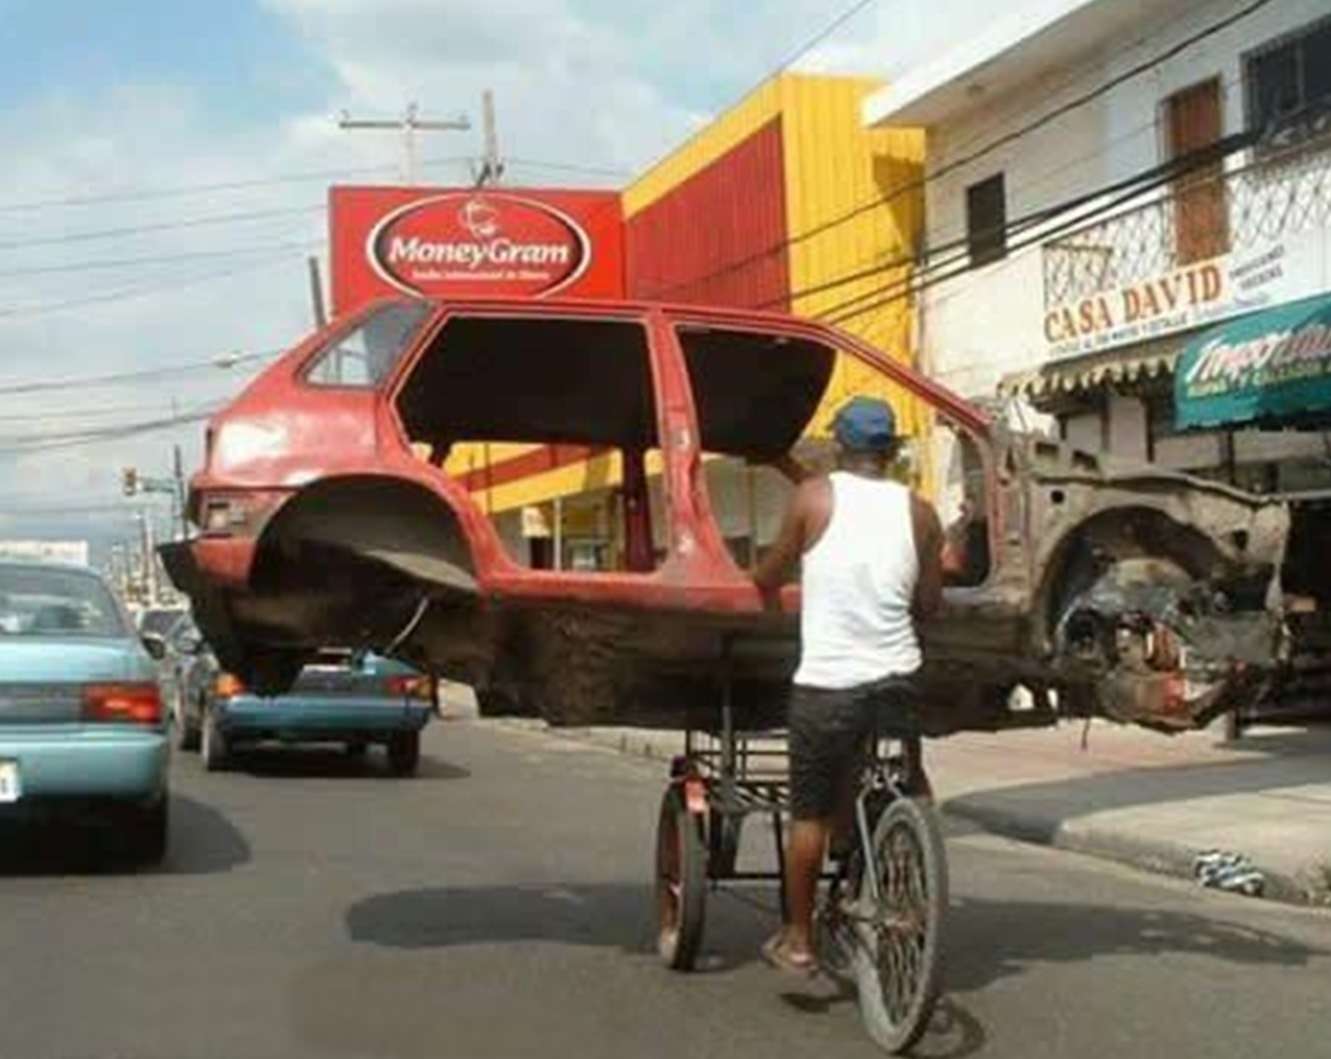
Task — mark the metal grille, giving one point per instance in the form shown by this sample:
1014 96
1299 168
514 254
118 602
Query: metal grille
1265 200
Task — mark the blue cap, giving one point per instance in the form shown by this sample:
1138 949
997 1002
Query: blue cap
865 424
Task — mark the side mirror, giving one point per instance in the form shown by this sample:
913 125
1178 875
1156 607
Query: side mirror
154 645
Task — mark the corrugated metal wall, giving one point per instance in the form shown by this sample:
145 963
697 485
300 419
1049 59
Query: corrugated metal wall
718 237
855 208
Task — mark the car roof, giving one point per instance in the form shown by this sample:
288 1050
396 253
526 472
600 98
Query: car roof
49 564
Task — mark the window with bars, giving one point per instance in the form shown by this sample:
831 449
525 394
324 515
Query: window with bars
1288 85
986 221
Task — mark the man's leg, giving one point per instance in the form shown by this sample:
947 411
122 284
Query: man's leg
804 863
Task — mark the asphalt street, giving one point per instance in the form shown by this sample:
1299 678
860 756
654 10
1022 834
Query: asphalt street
498 905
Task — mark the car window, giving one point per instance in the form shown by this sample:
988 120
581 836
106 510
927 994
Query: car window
159 622
366 354
44 602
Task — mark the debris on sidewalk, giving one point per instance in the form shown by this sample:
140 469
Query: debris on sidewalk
1231 872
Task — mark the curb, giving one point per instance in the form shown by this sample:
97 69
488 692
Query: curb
1160 856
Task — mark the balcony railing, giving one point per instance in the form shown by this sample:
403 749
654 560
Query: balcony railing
1202 216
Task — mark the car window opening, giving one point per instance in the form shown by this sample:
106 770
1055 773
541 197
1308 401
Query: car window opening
364 356
550 424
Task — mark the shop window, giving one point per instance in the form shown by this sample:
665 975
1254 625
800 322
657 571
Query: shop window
363 356
500 401
986 221
1288 86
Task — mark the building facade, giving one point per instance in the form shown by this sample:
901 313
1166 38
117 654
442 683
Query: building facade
1107 181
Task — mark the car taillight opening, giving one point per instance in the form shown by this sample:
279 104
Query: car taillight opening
228 685
411 687
122 703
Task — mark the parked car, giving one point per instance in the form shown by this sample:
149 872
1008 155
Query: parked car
326 515
81 721
339 697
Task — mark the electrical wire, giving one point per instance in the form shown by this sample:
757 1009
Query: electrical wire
160 226
150 194
41 308
116 433
919 183
224 361
159 259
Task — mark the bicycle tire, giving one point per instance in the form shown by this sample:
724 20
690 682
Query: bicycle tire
894 1021
681 882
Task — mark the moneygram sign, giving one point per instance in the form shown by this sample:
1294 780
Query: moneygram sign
451 243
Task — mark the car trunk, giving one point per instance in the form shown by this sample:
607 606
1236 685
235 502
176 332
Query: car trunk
35 671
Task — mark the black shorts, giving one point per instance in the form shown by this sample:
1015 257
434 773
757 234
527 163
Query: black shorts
828 729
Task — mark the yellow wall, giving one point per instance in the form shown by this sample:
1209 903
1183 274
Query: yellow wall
833 167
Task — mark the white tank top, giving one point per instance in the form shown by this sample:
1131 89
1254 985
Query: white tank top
857 587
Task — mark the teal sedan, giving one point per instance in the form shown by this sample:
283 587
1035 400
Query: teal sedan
82 731
343 697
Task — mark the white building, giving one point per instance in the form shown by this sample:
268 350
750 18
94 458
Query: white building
1085 313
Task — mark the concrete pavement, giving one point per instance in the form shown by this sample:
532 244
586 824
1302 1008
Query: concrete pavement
1130 795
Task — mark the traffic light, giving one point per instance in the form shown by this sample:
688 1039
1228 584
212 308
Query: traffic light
129 481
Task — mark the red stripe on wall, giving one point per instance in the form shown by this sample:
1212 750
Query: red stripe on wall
719 238
538 461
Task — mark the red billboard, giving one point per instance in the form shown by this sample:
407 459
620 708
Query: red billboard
464 242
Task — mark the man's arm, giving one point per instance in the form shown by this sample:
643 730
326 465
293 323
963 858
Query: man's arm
929 554
779 563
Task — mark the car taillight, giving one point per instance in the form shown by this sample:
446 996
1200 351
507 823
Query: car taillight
122 703
228 685
411 687
223 514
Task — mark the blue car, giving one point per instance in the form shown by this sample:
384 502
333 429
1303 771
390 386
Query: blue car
82 730
342 697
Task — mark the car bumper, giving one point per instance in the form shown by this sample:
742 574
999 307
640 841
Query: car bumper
86 763
313 719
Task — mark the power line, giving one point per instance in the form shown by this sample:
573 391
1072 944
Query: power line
75 439
224 361
124 293
1137 184
821 35
79 413
568 167
988 148
181 190
158 259
161 226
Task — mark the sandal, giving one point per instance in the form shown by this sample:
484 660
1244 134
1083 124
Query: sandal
775 954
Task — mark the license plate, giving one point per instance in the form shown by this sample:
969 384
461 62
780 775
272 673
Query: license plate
10 788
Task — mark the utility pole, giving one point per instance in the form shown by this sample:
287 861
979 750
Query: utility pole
317 293
178 472
407 125
492 166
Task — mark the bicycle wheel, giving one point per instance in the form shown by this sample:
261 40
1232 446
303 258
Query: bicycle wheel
681 883
897 963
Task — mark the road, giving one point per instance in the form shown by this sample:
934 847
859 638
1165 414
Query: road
497 905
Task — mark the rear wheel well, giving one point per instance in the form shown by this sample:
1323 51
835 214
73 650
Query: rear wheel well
1116 535
384 520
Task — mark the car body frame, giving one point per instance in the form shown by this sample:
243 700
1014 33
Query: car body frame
1103 587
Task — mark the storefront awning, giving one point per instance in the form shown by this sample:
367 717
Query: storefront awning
1269 365
1093 371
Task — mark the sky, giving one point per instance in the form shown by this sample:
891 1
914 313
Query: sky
167 162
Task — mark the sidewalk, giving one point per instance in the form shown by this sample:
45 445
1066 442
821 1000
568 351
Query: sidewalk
1131 795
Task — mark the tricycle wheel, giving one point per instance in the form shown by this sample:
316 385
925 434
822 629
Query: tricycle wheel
723 831
681 883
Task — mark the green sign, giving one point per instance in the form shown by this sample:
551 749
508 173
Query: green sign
1269 365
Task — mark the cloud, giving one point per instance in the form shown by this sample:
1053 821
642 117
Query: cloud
593 82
